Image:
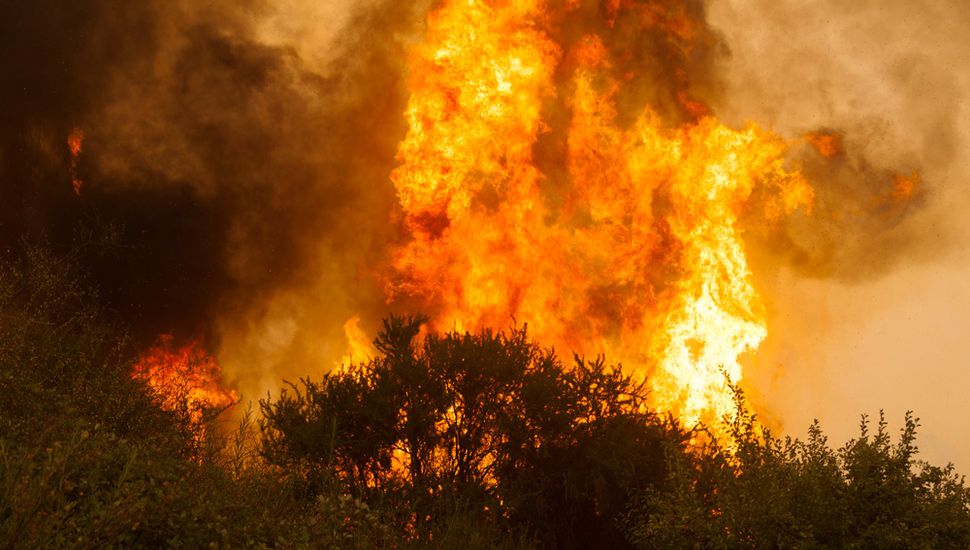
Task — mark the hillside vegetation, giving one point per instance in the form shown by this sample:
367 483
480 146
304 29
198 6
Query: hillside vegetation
456 440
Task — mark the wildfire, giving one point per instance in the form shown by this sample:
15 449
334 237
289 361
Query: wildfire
74 141
828 144
359 348
186 379
636 249
904 187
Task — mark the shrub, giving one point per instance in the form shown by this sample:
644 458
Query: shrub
759 491
487 422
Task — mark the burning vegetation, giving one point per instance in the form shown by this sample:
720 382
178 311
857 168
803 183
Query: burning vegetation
640 252
561 167
74 142
547 182
186 380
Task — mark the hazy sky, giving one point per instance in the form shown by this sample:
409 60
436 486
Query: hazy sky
894 76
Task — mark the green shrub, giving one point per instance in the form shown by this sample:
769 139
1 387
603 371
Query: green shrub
61 361
448 441
87 458
759 491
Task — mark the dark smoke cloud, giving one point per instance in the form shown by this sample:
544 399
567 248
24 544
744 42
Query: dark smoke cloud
857 227
238 168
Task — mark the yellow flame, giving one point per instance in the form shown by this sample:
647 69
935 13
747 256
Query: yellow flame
359 347
640 253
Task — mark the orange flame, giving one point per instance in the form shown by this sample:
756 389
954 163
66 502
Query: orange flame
186 379
642 257
74 141
905 187
828 144
359 346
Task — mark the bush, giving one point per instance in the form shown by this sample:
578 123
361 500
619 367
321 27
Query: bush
446 441
87 458
487 422
759 491
61 361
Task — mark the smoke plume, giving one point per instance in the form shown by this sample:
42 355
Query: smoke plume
870 311
236 154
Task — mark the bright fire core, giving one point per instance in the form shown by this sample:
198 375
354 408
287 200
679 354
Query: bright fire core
632 242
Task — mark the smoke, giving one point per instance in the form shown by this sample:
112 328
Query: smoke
236 149
237 156
868 311
881 77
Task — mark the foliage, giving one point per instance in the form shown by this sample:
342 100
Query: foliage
759 491
87 458
488 421
93 489
60 360
444 440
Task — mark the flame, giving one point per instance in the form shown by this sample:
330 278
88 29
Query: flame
359 346
185 379
905 187
74 141
642 254
828 144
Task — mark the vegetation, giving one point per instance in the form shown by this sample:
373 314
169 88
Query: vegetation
451 440
766 492
487 422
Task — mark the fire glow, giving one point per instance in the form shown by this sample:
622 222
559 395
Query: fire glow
642 257
185 379
532 191
74 142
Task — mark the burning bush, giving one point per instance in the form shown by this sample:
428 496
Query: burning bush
186 380
454 440
490 420
63 364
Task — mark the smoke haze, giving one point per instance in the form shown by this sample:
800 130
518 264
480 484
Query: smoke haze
238 149
875 316
237 157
